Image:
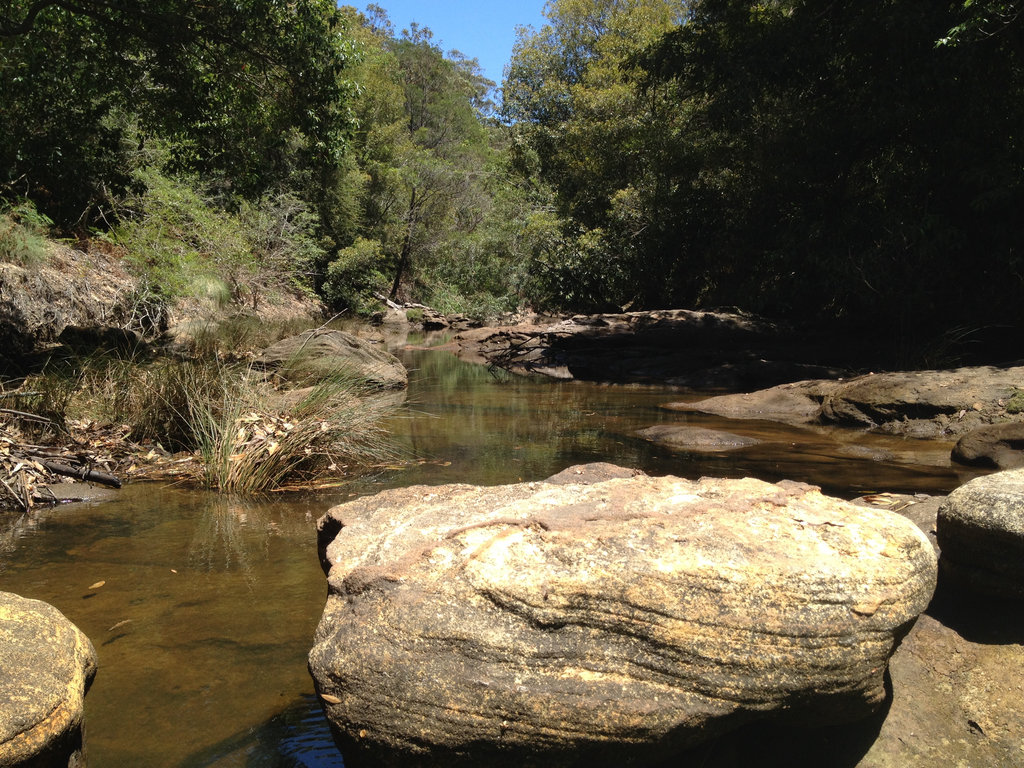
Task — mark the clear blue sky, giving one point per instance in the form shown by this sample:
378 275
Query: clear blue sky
481 29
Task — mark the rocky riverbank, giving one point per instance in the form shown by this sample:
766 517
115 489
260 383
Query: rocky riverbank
769 372
699 350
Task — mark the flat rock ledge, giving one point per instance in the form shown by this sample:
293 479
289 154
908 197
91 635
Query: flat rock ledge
678 347
47 666
922 404
980 530
604 617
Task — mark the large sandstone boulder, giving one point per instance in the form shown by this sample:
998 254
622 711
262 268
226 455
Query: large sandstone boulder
46 666
317 354
980 531
604 618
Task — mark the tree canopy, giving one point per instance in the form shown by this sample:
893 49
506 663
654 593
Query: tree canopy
252 90
858 164
801 158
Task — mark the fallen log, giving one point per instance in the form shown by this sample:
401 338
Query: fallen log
89 475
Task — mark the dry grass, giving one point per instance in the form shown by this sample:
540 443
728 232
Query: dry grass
249 437
248 447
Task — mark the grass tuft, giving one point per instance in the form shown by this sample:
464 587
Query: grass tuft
248 447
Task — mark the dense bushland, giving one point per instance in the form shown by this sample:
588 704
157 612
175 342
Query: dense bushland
859 165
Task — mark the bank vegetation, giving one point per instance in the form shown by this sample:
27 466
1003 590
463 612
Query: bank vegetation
857 167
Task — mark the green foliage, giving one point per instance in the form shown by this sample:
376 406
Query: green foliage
180 242
1015 404
825 163
249 89
187 243
23 235
424 151
982 19
587 124
355 276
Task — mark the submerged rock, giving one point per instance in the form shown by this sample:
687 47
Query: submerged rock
47 666
604 622
980 530
680 437
317 354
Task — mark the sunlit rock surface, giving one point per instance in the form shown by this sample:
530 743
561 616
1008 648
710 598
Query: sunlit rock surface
604 618
46 666
924 404
980 530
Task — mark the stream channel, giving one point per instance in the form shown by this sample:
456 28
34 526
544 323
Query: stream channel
209 604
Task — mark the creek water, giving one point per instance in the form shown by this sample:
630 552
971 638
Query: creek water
208 604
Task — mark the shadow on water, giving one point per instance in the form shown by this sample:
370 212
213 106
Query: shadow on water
298 737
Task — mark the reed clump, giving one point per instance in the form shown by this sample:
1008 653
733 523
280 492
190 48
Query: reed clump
246 435
252 443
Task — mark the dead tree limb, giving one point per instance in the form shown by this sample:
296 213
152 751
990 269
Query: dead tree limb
89 475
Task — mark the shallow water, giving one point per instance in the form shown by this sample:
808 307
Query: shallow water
209 604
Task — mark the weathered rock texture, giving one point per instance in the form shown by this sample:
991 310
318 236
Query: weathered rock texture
320 353
997 445
592 621
925 404
980 531
46 667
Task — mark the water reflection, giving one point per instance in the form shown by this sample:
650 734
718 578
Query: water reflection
209 603
202 625
232 534
476 427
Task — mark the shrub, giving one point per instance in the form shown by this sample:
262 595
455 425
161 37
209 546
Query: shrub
23 235
188 243
249 446
354 276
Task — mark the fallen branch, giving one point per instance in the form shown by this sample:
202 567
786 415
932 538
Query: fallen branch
27 416
89 475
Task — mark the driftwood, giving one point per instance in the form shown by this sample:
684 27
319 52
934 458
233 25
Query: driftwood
85 473
26 469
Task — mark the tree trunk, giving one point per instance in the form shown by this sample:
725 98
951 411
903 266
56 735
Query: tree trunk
406 254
